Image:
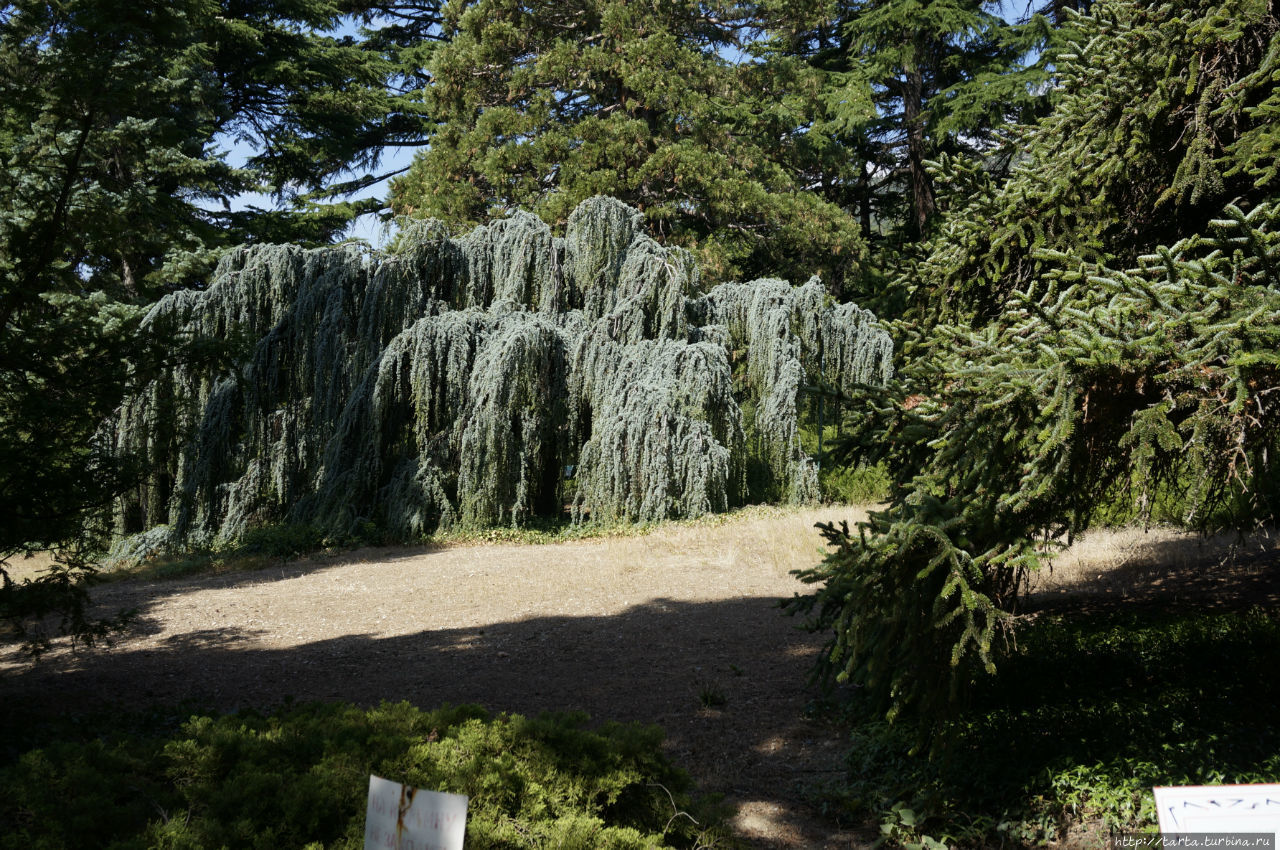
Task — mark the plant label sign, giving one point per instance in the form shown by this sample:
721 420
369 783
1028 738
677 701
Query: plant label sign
400 817
1219 809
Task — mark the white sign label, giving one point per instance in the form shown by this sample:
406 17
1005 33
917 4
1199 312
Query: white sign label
1221 808
403 818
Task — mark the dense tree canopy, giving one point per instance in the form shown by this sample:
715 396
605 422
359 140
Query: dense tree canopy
541 107
114 123
1162 116
899 83
484 380
1095 332
112 132
1083 310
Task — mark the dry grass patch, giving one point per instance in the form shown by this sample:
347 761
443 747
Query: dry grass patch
22 567
779 539
1133 561
676 624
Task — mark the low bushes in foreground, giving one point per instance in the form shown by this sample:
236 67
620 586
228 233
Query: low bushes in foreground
1085 716
298 778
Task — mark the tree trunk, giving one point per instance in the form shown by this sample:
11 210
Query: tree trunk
921 185
864 200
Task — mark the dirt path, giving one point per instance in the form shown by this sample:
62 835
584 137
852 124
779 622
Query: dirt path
679 628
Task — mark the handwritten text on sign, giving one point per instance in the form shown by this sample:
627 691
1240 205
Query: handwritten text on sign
1219 809
404 818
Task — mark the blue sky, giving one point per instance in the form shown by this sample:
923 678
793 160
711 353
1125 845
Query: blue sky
367 227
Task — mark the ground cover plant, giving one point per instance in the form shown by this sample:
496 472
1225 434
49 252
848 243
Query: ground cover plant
1089 712
298 777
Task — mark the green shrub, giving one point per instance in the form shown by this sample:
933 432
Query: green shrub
1085 716
855 484
844 482
299 778
285 540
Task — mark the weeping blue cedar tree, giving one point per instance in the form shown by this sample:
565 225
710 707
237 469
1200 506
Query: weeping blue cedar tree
457 381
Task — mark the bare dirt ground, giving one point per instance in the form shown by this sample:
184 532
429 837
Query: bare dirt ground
1161 567
680 627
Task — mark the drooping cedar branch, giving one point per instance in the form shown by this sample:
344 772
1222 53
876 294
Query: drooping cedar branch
482 380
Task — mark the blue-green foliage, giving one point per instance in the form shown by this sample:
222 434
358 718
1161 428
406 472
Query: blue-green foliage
484 380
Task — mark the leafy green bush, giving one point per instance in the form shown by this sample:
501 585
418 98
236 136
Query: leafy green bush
1085 717
854 484
284 540
845 482
299 778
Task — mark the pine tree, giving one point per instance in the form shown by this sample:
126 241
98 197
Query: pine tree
111 121
543 107
1088 365
1161 114
319 109
902 82
114 123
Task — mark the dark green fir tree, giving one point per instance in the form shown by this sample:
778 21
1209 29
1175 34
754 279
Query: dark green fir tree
1098 333
902 82
542 106
114 123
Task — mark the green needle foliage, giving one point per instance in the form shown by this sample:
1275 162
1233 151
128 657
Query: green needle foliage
1160 120
1058 745
897 83
483 380
930 68
1101 379
543 106
114 121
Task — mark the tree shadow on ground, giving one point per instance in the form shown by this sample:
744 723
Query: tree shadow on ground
726 680
1114 702
1183 575
1161 675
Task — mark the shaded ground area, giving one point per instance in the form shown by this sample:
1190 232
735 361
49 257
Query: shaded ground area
1161 568
680 628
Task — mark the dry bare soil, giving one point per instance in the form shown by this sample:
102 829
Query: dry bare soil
680 627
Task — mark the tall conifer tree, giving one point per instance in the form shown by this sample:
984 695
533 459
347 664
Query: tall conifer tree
113 119
904 81
1106 338
543 105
